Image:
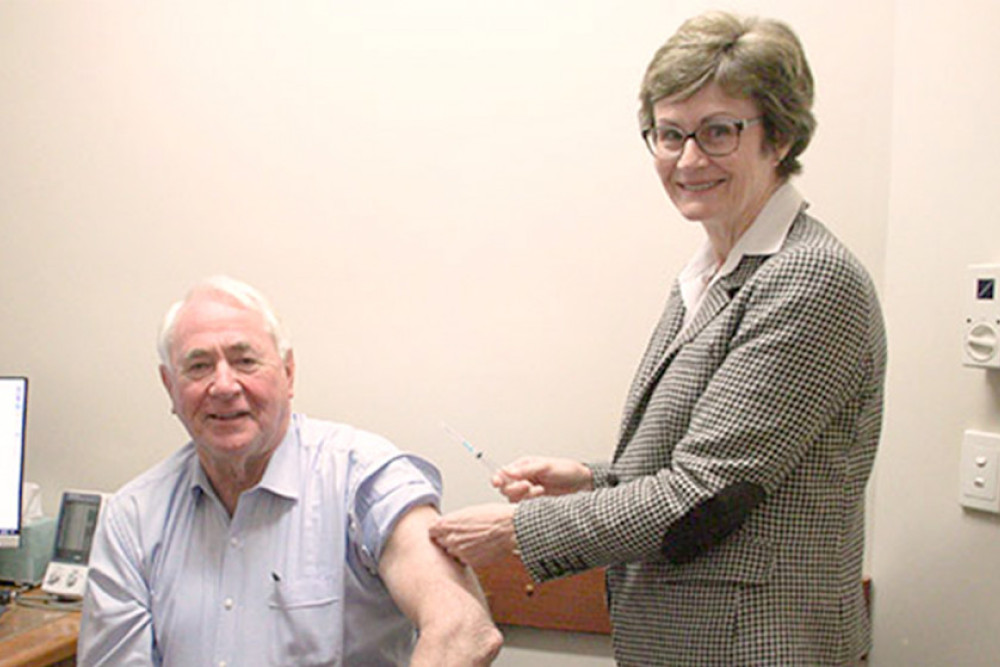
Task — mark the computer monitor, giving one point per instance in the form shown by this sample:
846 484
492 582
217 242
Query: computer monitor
13 421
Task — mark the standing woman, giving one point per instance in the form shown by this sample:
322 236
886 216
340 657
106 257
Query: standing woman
731 516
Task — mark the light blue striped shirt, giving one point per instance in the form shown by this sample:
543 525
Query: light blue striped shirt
175 581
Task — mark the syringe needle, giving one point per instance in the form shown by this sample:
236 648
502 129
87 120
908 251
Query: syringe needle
478 453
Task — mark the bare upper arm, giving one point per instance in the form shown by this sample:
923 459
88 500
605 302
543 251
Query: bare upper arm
439 595
417 571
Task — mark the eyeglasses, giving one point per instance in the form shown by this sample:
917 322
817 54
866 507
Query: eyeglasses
715 137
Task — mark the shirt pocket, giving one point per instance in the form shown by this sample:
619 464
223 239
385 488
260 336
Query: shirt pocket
306 622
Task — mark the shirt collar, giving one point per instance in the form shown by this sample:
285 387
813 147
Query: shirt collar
768 231
281 476
764 237
695 277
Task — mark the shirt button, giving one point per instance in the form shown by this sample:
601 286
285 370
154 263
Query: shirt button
228 604
222 663
234 541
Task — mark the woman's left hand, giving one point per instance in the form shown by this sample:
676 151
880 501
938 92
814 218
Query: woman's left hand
477 535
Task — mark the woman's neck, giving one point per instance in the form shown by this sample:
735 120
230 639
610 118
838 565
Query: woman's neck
723 235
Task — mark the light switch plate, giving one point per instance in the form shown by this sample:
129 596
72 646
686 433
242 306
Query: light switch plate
980 471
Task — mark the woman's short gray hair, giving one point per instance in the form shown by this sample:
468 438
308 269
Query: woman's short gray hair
755 58
242 293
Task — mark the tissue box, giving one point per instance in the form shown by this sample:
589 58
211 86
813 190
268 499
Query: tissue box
27 563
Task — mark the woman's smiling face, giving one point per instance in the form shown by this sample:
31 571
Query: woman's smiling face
724 193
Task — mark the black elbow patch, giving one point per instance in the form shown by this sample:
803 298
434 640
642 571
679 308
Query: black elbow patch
711 521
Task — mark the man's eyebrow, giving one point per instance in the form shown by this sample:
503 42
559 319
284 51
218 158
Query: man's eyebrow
197 353
240 348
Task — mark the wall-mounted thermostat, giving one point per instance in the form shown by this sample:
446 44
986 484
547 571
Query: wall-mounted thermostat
981 312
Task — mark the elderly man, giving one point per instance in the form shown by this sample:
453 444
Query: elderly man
271 538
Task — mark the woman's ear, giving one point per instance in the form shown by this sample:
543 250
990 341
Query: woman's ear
780 153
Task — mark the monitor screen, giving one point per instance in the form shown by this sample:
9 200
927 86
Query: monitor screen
13 419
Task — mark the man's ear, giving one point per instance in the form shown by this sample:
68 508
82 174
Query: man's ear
168 384
290 372
165 378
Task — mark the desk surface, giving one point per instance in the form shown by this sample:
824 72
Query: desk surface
37 637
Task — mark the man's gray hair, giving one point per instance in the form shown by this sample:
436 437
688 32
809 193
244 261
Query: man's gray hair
238 290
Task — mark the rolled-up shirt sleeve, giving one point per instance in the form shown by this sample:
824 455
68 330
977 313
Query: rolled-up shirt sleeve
387 492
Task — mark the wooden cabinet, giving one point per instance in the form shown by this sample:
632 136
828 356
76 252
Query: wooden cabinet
575 603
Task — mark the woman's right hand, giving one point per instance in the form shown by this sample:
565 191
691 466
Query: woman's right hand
533 476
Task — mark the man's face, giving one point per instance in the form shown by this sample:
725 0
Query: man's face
227 381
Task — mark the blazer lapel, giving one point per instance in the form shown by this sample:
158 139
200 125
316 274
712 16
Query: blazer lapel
666 331
669 338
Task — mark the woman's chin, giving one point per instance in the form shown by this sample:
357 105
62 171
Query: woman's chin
694 211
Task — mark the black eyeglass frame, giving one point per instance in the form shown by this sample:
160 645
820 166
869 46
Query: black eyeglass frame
740 124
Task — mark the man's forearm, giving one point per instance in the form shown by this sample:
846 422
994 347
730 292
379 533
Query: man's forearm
439 595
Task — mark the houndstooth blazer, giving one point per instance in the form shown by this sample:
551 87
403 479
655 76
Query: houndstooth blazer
732 514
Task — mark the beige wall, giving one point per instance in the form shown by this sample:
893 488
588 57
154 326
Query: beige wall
449 204
934 564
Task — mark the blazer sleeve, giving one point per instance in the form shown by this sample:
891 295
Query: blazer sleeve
799 352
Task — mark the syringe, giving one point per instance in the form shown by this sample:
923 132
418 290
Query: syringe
478 453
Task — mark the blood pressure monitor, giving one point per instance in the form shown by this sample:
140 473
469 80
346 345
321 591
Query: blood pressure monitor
66 574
